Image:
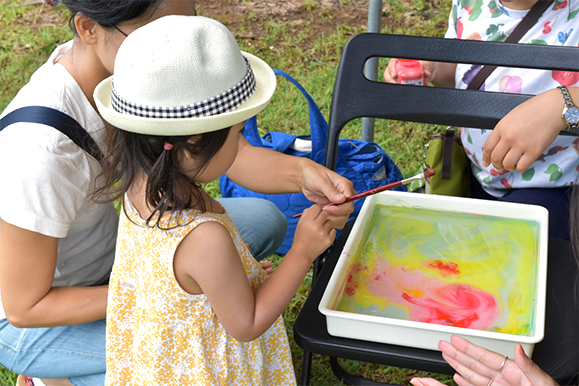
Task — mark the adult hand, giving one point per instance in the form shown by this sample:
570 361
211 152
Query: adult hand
322 186
476 366
391 74
525 133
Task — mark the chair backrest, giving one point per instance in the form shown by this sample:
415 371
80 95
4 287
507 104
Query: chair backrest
355 96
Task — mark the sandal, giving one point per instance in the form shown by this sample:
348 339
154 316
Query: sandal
23 380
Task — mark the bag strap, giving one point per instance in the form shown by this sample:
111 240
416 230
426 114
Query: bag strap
318 124
57 119
524 25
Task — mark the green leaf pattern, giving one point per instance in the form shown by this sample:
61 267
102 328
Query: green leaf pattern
572 15
528 175
555 171
490 20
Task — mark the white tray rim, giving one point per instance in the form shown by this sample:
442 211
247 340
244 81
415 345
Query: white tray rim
530 212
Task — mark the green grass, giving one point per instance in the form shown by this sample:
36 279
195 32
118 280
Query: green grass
29 33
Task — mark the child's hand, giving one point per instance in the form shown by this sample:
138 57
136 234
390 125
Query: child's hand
390 74
314 233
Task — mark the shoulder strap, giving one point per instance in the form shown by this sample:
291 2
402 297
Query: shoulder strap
524 25
318 124
57 119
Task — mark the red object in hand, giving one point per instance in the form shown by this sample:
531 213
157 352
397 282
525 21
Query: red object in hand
410 72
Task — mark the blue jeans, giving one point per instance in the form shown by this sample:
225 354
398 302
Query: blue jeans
78 352
261 224
73 352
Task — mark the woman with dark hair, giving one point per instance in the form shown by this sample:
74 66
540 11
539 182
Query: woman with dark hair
56 249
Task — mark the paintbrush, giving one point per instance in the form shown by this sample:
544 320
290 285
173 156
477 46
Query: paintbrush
382 188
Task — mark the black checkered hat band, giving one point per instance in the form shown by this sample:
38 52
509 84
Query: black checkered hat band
219 104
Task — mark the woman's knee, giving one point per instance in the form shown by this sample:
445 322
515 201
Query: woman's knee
55 352
261 224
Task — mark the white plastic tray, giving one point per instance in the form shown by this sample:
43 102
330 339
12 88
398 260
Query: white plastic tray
421 334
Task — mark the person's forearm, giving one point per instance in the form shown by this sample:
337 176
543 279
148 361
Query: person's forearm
266 171
27 267
62 306
273 296
444 75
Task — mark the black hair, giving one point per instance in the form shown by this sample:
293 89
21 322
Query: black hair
169 189
109 13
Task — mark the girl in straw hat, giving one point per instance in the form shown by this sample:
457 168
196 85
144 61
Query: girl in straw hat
188 305
56 251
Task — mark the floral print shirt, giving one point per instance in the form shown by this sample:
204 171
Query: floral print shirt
492 21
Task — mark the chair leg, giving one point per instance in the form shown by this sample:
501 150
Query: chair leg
306 368
350 379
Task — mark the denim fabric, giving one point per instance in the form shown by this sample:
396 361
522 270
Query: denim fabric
73 352
261 224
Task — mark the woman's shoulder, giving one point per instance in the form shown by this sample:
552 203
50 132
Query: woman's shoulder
51 85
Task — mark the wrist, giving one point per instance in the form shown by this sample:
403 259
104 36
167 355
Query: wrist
304 164
301 256
570 111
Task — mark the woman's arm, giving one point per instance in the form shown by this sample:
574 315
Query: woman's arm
271 172
443 74
27 266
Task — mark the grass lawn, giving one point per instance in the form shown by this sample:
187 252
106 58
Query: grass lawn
302 37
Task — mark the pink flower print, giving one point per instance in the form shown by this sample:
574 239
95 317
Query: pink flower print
511 84
546 28
459 29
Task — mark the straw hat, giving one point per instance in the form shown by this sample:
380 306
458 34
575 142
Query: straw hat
183 75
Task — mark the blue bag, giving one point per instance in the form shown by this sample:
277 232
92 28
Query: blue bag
364 163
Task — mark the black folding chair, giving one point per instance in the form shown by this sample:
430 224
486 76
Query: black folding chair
355 96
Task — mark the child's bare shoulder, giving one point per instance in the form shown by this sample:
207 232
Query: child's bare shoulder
209 237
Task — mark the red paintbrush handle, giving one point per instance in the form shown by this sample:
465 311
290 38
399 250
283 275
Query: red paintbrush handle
382 188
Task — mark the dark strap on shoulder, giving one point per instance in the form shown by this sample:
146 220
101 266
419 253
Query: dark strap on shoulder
57 119
520 30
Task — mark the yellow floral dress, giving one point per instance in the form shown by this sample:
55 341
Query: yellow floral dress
158 334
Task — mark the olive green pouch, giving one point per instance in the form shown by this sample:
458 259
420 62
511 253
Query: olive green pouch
445 154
